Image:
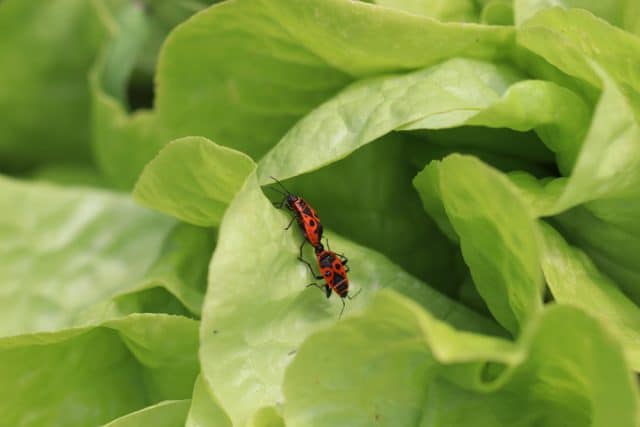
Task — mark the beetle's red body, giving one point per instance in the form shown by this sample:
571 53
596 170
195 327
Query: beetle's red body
334 273
303 214
333 269
307 219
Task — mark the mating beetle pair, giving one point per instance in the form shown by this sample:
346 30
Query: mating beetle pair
333 266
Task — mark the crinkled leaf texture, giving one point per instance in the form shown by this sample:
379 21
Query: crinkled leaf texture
559 36
455 93
257 310
65 250
621 13
69 258
91 375
397 365
75 262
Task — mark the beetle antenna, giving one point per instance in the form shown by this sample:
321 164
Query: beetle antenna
354 295
282 186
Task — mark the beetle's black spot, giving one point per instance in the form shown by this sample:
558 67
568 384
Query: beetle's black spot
327 273
338 279
306 210
326 260
312 223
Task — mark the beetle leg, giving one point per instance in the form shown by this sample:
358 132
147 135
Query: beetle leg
327 290
354 295
313 273
317 286
301 246
341 311
290 223
281 203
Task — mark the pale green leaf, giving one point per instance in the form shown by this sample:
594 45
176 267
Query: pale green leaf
91 375
395 365
193 179
205 411
574 280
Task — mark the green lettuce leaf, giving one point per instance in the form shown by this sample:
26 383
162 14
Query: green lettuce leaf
205 410
558 36
500 246
257 310
606 180
373 107
498 12
91 375
611 246
170 413
64 250
397 365
602 190
266 417
193 179
176 281
574 280
446 11
621 13
308 62
77 256
608 166
455 93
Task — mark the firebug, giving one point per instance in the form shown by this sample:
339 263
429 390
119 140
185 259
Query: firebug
333 269
303 214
